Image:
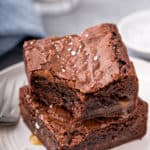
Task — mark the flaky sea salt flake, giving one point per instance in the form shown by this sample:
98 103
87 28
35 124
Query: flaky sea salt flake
95 58
86 35
63 70
70 43
69 49
51 106
80 47
37 126
73 53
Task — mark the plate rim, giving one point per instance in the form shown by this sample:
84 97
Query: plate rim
12 67
125 21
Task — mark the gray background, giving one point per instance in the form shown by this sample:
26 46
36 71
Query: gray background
88 13
91 12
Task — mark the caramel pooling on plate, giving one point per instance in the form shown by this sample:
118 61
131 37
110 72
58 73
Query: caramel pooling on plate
34 140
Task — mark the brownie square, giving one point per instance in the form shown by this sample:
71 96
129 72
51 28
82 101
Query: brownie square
89 74
57 129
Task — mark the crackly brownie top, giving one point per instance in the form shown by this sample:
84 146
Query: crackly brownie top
89 61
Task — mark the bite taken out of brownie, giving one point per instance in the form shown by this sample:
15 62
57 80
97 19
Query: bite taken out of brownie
89 74
57 129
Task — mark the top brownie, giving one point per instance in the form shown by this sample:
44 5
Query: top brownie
85 64
88 62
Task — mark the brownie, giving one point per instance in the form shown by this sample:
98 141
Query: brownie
57 130
82 73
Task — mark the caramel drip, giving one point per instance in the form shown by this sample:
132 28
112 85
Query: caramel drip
34 140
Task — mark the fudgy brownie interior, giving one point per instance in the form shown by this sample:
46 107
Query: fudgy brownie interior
113 100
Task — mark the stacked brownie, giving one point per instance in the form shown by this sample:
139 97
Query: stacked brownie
83 91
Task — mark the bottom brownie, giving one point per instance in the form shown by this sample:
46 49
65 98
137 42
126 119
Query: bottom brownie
57 129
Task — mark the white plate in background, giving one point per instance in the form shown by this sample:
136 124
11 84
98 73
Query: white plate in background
135 31
17 138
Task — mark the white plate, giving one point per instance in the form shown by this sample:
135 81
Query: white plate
135 31
17 138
